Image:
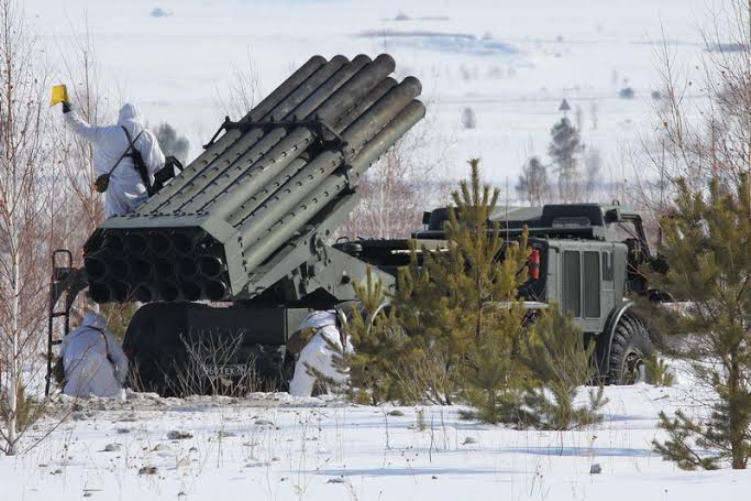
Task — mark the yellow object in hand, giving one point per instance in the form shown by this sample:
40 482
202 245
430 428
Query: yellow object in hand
59 94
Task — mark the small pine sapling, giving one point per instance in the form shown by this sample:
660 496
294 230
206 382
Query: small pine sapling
685 435
559 363
378 340
658 371
475 316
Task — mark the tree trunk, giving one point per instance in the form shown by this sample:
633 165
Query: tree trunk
736 415
492 406
14 372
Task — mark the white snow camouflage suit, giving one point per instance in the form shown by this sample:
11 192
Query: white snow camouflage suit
126 189
86 354
318 354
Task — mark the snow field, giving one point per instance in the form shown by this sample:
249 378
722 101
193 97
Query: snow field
278 447
511 62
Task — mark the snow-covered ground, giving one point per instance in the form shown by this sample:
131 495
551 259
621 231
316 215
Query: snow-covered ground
275 447
512 62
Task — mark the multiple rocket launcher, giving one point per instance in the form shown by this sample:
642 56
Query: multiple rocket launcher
259 186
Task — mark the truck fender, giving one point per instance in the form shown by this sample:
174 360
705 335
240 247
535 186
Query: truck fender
605 339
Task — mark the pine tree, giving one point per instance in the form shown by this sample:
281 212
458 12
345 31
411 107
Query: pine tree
706 243
460 305
565 146
380 341
559 363
534 185
492 376
592 172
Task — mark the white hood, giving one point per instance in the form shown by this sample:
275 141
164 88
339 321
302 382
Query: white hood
94 320
319 319
128 114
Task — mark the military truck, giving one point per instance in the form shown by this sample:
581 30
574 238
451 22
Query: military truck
584 258
238 244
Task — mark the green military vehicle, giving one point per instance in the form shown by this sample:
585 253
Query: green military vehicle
236 245
584 258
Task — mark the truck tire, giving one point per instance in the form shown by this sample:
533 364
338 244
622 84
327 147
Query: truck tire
629 349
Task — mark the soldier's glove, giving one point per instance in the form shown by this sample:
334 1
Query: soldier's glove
66 107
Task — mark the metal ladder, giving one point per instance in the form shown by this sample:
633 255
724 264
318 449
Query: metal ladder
66 281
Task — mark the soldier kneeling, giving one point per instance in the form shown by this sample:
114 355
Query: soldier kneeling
317 343
93 363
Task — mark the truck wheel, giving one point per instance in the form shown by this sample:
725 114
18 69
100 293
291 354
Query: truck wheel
629 350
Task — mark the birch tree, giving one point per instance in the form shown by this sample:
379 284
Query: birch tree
24 154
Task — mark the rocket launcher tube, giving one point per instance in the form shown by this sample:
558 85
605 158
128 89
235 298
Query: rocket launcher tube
354 79
99 292
194 177
232 171
191 291
268 104
169 291
315 90
215 290
253 179
251 204
262 110
363 104
297 188
405 120
379 115
326 90
244 142
290 195
119 291
96 268
286 227
143 293
306 89
357 88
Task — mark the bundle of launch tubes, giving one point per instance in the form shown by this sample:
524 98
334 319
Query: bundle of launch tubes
256 186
